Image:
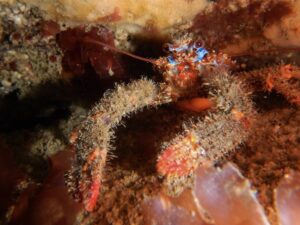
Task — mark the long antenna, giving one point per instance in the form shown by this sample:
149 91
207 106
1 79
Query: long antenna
119 50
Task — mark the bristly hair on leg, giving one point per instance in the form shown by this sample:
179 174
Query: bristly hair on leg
93 138
214 136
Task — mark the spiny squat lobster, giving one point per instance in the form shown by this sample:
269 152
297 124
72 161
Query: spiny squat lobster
188 68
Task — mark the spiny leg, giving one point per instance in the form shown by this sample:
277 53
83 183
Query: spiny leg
92 140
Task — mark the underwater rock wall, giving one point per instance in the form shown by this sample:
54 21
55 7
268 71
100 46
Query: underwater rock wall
160 14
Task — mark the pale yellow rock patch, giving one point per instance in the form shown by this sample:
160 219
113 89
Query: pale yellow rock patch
161 13
286 33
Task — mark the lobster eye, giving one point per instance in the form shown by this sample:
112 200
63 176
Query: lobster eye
198 44
171 60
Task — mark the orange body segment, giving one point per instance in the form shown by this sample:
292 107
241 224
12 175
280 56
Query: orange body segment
195 104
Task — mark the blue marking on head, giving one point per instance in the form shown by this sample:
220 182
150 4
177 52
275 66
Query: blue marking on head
171 60
201 52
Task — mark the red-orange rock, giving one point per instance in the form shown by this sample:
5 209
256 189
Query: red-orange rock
164 210
52 204
219 196
10 176
287 199
227 197
79 52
